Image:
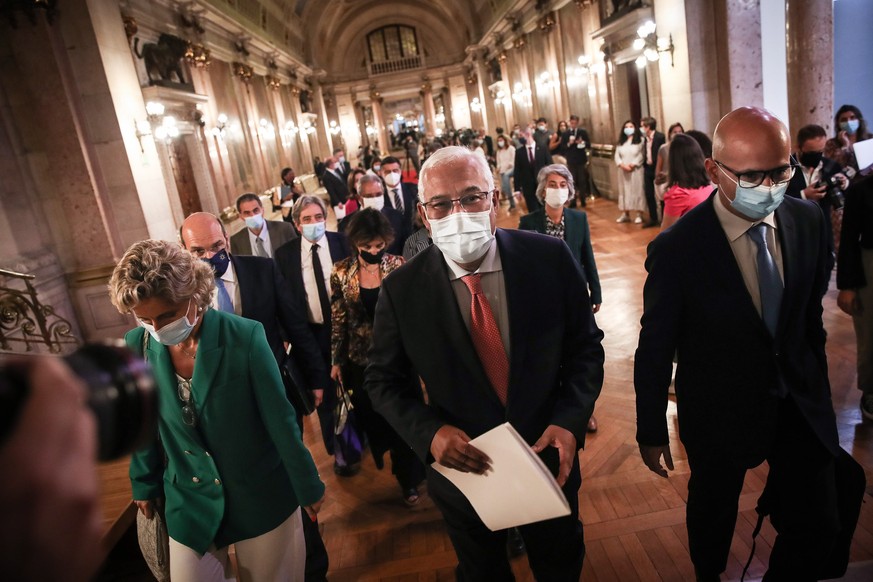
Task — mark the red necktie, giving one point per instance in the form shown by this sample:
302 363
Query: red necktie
486 338
530 155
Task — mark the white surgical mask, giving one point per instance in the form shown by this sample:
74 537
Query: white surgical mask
172 333
393 178
313 231
376 168
341 160
463 237
628 131
555 197
255 221
376 203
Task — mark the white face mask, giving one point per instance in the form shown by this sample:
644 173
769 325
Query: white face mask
393 178
555 197
255 221
172 333
376 203
341 160
463 237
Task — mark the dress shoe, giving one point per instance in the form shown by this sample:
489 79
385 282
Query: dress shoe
514 543
411 497
592 424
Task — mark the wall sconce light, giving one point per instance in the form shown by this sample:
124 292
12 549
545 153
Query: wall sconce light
334 128
475 106
167 130
143 129
520 95
266 129
648 42
155 110
220 124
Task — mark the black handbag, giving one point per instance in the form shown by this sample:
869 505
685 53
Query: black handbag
298 394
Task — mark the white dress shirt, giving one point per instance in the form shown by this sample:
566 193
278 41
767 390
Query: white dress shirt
264 236
229 279
309 281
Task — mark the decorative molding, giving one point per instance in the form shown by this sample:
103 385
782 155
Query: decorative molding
243 71
198 55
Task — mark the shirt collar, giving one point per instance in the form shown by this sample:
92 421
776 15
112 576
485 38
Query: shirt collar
229 276
491 263
734 226
307 245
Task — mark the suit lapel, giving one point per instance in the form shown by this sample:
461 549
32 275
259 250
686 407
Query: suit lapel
240 305
209 354
516 287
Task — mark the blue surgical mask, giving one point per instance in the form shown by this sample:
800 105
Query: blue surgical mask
758 202
850 126
255 221
629 131
219 262
172 333
313 232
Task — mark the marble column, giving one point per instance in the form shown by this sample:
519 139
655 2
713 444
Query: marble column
740 66
429 110
303 163
325 144
482 81
379 122
810 63
508 102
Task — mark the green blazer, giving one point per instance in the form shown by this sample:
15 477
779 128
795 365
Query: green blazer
243 469
577 235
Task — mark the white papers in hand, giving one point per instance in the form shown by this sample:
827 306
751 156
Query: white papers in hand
518 490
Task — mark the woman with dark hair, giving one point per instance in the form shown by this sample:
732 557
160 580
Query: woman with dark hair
702 140
850 128
629 159
687 177
661 184
355 283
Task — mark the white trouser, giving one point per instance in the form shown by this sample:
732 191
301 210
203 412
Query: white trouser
278 555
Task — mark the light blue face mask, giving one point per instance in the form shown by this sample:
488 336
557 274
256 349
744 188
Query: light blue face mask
255 221
758 202
850 125
629 131
172 333
313 232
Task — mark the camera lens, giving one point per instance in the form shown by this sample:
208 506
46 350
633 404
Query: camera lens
121 394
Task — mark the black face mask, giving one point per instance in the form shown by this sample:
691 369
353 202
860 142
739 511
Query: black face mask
810 159
219 262
372 259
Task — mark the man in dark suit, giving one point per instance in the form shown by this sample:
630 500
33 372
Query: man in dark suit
372 193
342 165
253 288
654 141
734 292
334 183
574 145
530 158
261 237
401 196
536 364
296 262
817 176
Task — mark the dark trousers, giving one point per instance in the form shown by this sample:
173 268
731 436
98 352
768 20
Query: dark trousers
649 189
579 171
317 562
530 197
803 503
555 547
405 466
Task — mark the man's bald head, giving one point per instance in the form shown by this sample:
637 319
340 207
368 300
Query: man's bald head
751 134
203 234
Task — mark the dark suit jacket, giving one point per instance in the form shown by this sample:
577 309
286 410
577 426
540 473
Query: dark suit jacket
337 189
266 298
409 192
657 141
577 235
798 184
574 154
556 362
856 234
290 266
280 233
696 306
524 174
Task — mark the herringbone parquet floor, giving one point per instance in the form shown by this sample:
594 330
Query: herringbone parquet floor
633 520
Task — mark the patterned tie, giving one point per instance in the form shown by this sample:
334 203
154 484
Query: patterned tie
486 338
319 283
259 248
769 281
398 201
224 302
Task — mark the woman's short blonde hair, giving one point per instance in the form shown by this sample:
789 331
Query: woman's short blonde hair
157 268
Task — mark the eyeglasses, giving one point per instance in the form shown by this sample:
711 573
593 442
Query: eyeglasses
189 415
471 202
754 178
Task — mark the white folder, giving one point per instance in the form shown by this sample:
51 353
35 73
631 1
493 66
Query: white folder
519 489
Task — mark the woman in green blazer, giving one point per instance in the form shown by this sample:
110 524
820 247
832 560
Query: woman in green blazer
554 187
230 464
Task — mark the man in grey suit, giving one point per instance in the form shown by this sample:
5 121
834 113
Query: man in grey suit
261 237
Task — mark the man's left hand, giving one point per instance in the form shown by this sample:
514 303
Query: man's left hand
563 440
318 397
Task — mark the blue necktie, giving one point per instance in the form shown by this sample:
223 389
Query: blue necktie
224 302
769 281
